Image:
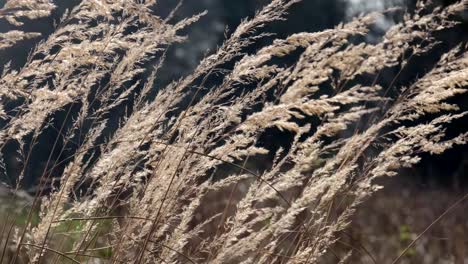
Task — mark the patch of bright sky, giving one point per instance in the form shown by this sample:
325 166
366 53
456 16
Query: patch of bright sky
357 7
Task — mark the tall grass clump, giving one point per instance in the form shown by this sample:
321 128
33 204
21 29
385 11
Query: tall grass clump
260 155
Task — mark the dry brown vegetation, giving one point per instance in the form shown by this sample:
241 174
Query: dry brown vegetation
255 157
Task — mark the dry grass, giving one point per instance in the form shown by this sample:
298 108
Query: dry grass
259 157
391 219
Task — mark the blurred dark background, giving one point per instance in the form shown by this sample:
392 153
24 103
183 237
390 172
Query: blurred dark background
203 38
446 171
223 15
